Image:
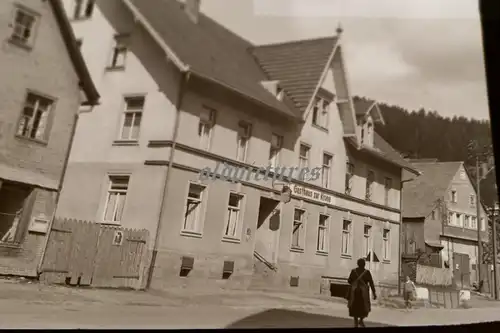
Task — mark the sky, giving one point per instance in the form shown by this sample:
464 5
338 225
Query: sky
411 53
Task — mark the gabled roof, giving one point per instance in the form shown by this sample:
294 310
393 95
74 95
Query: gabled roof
421 194
211 51
297 65
383 150
86 83
363 107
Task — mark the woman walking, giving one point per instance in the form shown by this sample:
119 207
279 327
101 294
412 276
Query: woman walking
359 304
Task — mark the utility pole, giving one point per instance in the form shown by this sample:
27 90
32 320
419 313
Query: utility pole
494 255
478 217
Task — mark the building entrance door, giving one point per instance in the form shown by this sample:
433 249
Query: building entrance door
461 270
268 228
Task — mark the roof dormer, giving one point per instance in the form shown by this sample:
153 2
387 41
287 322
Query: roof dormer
367 115
274 88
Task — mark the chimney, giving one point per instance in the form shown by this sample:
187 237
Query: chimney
192 9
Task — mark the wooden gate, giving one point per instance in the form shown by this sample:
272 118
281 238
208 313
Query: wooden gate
91 254
461 270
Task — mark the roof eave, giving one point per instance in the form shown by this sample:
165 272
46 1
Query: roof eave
378 155
86 82
171 55
289 116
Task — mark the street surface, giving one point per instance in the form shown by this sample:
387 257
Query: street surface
40 306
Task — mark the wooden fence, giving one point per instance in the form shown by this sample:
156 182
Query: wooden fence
91 254
434 276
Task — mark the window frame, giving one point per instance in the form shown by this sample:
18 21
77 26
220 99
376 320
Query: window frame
206 126
49 119
326 232
387 191
275 150
82 14
301 229
453 196
386 242
120 46
329 168
349 175
321 112
109 191
367 238
472 201
246 127
304 159
200 215
134 111
30 42
239 222
369 185
346 233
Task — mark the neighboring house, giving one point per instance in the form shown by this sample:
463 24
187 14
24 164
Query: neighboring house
172 78
44 76
440 216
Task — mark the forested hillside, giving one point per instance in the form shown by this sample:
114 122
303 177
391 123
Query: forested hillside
426 134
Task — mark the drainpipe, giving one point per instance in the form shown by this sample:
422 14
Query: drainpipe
401 230
59 189
183 81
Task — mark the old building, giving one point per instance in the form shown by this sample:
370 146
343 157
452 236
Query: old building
45 81
183 96
440 216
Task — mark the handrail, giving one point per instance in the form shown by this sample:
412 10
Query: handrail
264 261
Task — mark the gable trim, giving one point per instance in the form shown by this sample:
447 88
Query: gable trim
374 107
156 36
321 79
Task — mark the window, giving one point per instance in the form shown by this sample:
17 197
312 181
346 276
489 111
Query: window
192 215
274 152
120 49
115 200
323 233
23 27
463 175
472 201
473 222
349 177
386 237
369 185
132 118
79 43
233 216
244 133
483 224
304 156
207 122
280 93
369 134
35 117
367 240
320 112
83 9
453 196
387 189
346 238
327 170
13 224
459 220
467 222
298 227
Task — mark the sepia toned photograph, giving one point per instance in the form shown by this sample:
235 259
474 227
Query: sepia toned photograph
125 202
